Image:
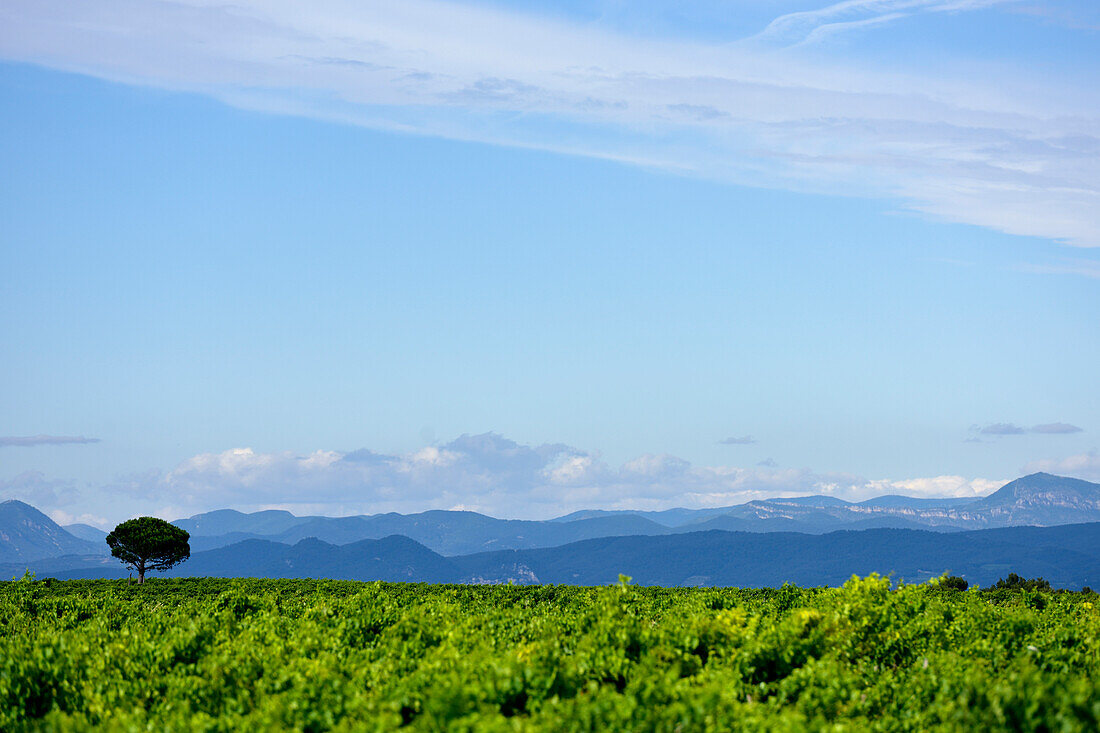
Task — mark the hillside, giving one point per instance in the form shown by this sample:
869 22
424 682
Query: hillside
393 558
1067 556
28 534
446 532
86 532
1041 499
226 521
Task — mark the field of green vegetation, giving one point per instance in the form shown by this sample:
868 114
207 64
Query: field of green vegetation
205 654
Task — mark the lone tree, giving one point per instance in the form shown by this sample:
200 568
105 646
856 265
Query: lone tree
148 543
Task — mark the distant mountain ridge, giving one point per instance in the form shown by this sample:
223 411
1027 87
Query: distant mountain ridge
1039 499
1068 556
395 559
86 532
458 533
445 532
28 534
1042 498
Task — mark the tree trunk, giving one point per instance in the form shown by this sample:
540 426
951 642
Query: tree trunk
141 573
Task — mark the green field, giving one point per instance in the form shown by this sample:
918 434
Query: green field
202 654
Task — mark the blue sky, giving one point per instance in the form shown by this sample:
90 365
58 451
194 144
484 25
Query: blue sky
262 256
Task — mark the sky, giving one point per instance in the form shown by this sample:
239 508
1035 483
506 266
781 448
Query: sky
524 258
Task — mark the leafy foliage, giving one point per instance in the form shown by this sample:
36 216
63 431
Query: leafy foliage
1014 582
149 543
212 654
954 582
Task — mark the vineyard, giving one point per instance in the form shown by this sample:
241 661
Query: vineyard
204 654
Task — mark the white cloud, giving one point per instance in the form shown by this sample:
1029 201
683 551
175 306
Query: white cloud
1082 465
991 146
64 518
491 474
957 486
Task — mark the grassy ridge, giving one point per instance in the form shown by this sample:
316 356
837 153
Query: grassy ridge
204 654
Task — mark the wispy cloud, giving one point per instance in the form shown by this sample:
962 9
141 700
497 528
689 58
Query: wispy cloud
810 26
1056 428
1002 428
30 440
986 145
743 440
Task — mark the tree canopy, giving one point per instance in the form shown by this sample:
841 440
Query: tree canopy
1014 581
954 582
148 543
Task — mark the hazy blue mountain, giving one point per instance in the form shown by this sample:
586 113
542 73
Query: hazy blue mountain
199 543
396 559
1042 499
1039 499
446 532
669 517
1028 500
225 521
806 522
896 501
87 532
1067 556
28 534
796 511
393 558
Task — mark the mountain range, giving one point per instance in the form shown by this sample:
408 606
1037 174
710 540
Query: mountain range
1067 555
27 534
1039 499
811 540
